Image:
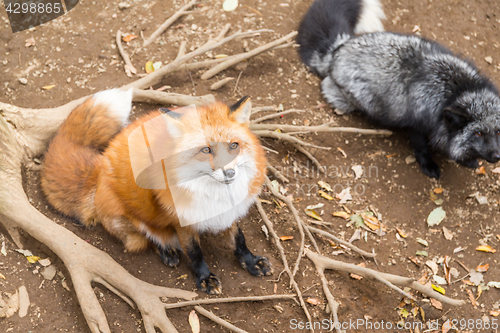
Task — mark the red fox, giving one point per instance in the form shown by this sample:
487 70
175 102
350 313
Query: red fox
216 172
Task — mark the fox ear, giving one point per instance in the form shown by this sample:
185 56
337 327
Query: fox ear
456 117
174 125
241 110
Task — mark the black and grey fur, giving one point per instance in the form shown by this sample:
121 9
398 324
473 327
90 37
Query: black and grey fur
402 82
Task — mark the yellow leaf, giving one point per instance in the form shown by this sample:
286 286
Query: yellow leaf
341 214
325 186
194 322
219 56
149 67
182 277
325 195
48 87
33 259
404 313
285 238
438 190
313 214
1 276
486 248
439 289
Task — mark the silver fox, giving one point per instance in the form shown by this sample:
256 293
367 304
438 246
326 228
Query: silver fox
402 82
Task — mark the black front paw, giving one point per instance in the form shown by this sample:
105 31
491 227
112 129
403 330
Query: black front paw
431 169
169 256
210 284
257 265
473 164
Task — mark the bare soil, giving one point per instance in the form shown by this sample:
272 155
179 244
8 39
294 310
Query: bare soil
77 54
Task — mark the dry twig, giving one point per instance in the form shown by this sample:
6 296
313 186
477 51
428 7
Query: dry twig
169 22
341 241
218 320
277 174
226 300
275 115
129 68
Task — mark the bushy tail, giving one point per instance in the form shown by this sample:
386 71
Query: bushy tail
329 23
73 160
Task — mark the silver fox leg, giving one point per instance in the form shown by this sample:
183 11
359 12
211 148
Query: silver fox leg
334 95
423 155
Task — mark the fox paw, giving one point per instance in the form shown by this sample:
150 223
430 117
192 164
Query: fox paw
211 284
431 169
169 256
258 266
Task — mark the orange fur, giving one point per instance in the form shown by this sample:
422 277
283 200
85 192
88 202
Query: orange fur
88 174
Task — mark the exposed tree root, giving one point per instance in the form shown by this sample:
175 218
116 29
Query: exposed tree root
218 320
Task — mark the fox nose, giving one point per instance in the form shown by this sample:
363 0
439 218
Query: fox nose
229 173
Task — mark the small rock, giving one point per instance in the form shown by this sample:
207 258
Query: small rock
489 60
68 80
23 80
123 5
49 272
410 159
24 301
44 262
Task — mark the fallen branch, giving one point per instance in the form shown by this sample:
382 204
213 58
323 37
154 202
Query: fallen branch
276 115
320 128
218 320
169 22
310 156
230 62
284 137
159 97
341 241
277 174
226 300
129 68
219 84
388 279
277 241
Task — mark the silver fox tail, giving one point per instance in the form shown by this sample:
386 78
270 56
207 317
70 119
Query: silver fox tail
330 23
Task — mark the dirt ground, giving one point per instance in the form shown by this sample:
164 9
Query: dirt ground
77 54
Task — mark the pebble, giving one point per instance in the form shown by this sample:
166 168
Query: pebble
410 159
23 80
123 5
489 60
49 272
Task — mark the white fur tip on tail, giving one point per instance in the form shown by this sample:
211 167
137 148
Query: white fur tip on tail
370 19
119 102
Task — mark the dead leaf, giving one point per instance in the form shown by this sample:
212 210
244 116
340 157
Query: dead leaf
401 232
480 171
486 248
438 190
230 5
391 155
447 326
422 241
313 214
495 313
482 268
448 235
476 277
479 292
496 170
285 238
472 298
128 38
344 196
314 301
342 152
433 266
341 214
355 276
148 67
358 171
9 305
194 322
48 87
325 195
325 186
437 304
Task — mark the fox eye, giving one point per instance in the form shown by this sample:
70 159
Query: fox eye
233 145
206 150
479 133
